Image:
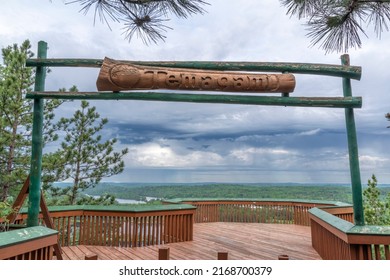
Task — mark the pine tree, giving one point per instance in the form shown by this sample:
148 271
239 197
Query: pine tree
16 120
52 162
15 116
86 158
15 134
376 211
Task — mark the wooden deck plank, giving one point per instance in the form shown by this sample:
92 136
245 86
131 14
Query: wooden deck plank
126 254
145 254
242 241
69 254
74 251
103 253
190 250
118 254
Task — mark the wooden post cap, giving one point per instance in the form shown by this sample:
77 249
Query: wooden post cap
90 257
163 254
222 255
283 257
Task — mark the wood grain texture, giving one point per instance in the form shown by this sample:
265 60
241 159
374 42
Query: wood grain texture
119 76
240 241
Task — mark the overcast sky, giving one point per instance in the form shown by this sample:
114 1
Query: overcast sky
185 142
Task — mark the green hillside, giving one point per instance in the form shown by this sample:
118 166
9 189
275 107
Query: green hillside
212 190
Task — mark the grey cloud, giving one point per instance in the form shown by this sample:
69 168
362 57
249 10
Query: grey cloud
236 143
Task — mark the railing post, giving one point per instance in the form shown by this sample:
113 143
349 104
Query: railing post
37 142
91 257
163 254
283 257
222 255
357 197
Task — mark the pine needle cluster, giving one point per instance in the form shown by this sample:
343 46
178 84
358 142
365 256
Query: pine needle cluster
338 25
145 19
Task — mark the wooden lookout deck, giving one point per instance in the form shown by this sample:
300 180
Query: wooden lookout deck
199 230
242 241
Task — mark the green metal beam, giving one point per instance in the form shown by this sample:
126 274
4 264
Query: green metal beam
352 72
326 102
37 143
357 196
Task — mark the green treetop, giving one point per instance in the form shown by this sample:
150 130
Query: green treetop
376 210
16 121
15 116
86 157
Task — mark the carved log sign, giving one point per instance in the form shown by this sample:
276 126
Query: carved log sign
119 75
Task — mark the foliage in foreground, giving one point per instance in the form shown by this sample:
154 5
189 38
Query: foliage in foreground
83 157
6 209
339 24
335 25
16 119
144 19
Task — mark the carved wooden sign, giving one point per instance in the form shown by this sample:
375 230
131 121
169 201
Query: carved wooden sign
119 75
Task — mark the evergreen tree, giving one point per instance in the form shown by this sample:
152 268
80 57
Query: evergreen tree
16 119
15 116
86 158
388 118
337 25
376 211
104 199
143 18
52 162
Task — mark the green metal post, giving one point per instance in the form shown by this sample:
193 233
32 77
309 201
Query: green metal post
34 194
357 196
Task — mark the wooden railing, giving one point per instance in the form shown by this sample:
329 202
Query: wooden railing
34 243
342 212
334 236
337 239
122 226
253 211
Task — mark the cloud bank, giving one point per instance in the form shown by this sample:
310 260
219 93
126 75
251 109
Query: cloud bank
182 142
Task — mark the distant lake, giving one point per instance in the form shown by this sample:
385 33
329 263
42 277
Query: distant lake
128 201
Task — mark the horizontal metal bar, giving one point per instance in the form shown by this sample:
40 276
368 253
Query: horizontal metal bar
329 102
351 72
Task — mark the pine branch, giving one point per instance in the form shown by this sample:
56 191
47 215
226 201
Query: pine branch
335 33
105 10
301 8
379 15
143 18
147 24
337 25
